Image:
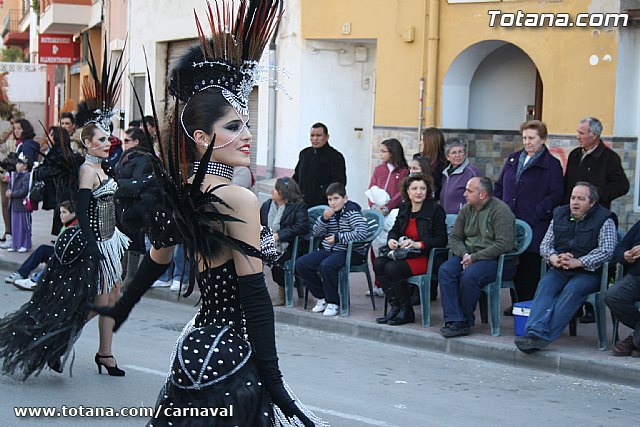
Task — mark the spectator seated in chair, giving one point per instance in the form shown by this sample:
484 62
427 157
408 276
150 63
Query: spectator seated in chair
580 239
484 230
621 298
287 216
20 278
341 223
422 222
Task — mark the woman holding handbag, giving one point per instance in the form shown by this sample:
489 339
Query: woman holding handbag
422 222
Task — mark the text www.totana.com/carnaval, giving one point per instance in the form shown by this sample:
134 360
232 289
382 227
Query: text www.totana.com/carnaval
81 411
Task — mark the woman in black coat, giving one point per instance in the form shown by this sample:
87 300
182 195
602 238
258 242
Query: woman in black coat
56 188
135 162
287 216
422 224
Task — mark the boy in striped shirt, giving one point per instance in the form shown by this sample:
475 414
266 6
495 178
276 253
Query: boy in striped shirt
341 223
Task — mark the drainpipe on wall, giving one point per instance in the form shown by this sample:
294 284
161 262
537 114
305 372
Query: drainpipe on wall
432 62
33 35
271 137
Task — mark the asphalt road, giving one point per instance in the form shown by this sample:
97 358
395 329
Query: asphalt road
349 382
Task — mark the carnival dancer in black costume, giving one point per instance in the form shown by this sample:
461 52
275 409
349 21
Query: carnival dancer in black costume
226 356
86 263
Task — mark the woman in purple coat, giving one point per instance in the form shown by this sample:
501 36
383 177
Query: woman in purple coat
531 183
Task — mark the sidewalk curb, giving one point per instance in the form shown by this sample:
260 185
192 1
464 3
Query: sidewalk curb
552 361
549 360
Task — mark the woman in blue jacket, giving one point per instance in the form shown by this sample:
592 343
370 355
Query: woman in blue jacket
531 183
24 133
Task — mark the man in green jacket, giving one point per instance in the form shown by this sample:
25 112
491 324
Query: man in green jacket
484 230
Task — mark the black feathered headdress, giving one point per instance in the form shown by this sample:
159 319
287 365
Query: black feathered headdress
101 95
228 58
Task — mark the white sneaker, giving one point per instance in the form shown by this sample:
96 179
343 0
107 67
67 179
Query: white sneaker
25 284
331 310
7 243
321 304
161 284
22 250
175 286
13 277
11 249
376 292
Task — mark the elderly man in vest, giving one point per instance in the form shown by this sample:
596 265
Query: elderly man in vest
580 238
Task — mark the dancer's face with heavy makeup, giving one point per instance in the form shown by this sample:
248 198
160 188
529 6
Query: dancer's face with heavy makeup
98 145
232 136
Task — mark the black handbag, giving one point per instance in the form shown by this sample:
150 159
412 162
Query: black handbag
383 251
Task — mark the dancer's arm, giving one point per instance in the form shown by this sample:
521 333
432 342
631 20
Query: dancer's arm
255 300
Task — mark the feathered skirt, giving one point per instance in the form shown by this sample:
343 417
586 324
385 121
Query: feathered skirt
46 327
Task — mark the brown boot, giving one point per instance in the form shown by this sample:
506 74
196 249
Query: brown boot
279 299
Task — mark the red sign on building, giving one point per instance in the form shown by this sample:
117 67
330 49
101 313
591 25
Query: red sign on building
58 49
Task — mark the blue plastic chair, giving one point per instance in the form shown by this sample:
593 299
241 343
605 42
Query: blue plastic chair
423 282
375 222
290 265
524 234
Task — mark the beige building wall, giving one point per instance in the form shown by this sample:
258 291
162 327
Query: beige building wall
573 88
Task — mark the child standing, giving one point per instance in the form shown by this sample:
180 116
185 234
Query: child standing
20 216
341 223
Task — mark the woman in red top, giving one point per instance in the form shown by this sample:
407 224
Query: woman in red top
389 174
422 222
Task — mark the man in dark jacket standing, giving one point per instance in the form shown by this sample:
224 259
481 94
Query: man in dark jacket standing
318 166
595 163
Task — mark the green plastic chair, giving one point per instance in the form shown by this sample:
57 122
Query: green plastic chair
290 265
289 276
375 221
524 234
423 282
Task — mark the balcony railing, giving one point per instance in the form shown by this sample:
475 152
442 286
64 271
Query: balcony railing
11 21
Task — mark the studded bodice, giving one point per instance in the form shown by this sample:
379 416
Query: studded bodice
220 300
102 210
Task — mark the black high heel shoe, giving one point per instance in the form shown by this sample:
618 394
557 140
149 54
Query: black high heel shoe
113 371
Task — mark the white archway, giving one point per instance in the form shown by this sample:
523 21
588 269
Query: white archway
488 86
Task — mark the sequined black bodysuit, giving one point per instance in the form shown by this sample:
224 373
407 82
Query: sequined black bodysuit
212 364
